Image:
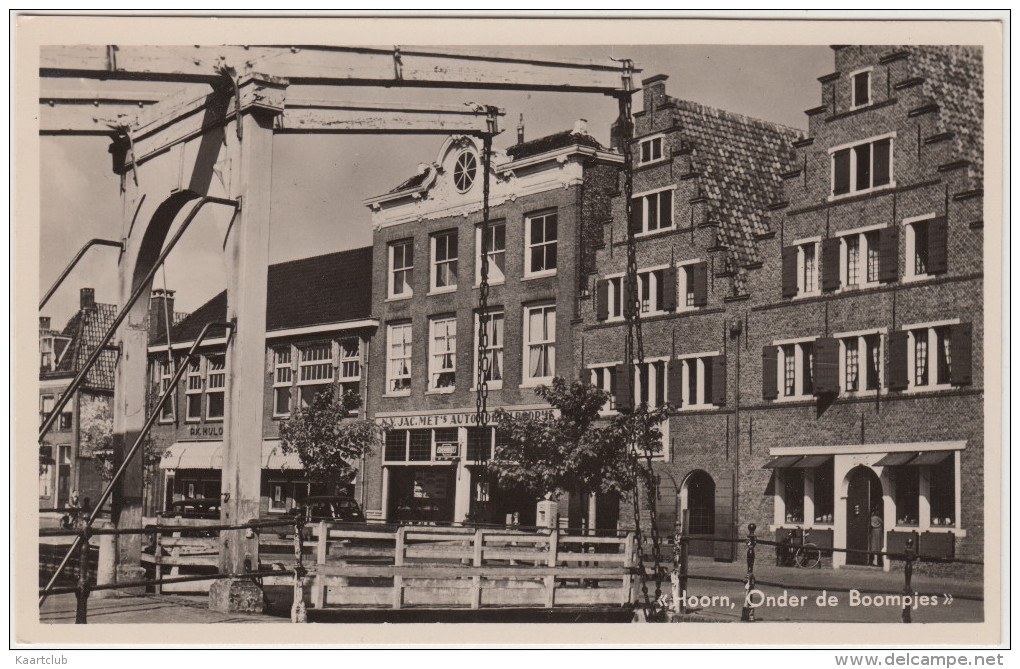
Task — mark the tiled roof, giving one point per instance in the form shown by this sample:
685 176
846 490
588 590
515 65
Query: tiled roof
85 330
552 142
329 288
954 79
738 161
415 181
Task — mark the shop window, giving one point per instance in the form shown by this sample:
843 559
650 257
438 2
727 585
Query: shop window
496 248
315 371
860 89
862 167
447 441
493 324
398 358
395 449
860 363
942 493
443 353
401 256
908 491
215 392
444 260
824 496
540 344
420 446
193 392
793 494
650 150
652 212
542 235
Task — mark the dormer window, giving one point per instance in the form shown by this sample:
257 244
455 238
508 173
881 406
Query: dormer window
860 92
464 171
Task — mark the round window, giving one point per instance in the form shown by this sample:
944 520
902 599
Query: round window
464 171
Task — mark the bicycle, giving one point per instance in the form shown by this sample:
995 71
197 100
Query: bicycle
807 555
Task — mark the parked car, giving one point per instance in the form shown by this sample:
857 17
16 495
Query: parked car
331 507
199 507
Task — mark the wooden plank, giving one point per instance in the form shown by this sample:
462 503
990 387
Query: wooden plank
476 591
203 543
341 120
459 571
353 534
554 537
476 557
513 597
418 552
550 591
437 597
398 549
365 596
588 596
398 591
621 541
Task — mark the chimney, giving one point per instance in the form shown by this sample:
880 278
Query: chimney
161 305
88 298
580 127
44 322
520 130
655 92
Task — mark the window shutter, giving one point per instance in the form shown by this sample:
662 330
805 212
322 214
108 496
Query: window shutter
636 214
898 360
602 300
769 381
666 209
719 380
861 89
883 164
841 172
959 354
676 383
789 271
669 282
830 264
623 388
863 166
699 275
937 238
889 253
826 366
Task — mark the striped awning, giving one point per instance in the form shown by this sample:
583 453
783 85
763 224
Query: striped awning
193 455
781 462
273 457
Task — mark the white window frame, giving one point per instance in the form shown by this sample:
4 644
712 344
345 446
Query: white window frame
435 355
279 366
349 359
800 244
529 220
605 370
615 297
434 263
682 270
854 104
493 280
530 381
649 141
408 344
932 362
799 394
392 270
698 362
891 136
165 371
654 308
195 386
211 390
644 232
314 363
652 381
491 384
860 338
862 257
910 238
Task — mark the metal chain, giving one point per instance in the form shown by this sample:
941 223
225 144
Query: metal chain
484 317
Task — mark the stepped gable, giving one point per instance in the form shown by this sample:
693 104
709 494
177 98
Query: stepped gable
738 160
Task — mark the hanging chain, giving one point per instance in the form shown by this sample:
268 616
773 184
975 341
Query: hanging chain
483 293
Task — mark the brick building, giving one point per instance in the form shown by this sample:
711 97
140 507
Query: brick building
549 203
317 330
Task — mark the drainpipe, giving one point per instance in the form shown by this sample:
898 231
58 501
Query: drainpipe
735 327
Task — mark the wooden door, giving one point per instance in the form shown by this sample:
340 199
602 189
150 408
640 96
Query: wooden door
858 514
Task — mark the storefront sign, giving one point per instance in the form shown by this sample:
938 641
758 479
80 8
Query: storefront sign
451 419
444 451
211 431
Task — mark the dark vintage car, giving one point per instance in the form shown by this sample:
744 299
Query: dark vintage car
331 508
199 507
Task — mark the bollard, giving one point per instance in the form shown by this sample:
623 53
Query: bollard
82 590
747 614
106 571
908 571
298 611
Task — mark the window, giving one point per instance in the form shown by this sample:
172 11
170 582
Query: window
65 422
194 390
398 357
859 258
695 382
861 89
283 378
350 365
444 260
215 390
496 248
46 404
166 373
464 171
443 353
930 359
793 494
601 377
315 371
540 344
615 298
687 286
908 492
824 492
862 167
650 291
796 369
926 248
420 446
396 445
493 324
480 443
651 383
652 212
860 363
651 150
541 247
942 493
401 268
46 354
807 268
278 498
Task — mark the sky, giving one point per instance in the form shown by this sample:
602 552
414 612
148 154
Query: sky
320 181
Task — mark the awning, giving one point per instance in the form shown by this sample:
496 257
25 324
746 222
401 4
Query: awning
273 457
781 462
193 455
930 457
896 459
809 461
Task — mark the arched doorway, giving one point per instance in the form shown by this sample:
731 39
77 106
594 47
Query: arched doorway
697 512
863 497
